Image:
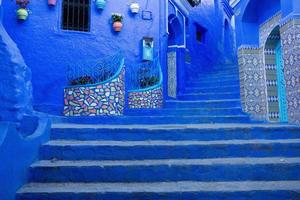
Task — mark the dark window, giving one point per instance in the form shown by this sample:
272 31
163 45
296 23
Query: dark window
76 15
200 33
199 36
194 3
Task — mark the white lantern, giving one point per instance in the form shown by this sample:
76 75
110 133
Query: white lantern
135 8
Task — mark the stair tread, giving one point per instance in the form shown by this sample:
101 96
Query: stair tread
99 143
175 126
202 101
169 162
159 187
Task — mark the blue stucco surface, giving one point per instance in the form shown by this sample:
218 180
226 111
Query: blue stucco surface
19 147
48 49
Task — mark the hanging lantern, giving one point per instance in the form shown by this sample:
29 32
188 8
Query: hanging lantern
135 8
100 4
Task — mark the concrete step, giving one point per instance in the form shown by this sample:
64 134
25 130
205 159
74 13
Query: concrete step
167 149
205 81
158 119
213 83
279 190
223 103
209 96
208 77
221 89
174 132
222 169
185 111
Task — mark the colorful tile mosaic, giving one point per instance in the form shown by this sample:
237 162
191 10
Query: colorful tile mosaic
146 99
290 35
97 99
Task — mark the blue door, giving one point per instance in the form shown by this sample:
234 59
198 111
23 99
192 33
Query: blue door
283 116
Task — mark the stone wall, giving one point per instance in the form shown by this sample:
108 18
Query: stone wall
290 35
97 99
146 99
252 77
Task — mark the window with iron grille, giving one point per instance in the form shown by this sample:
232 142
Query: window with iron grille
76 15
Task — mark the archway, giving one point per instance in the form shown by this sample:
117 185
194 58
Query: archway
276 91
175 40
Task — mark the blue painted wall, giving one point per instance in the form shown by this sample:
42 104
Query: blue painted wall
19 148
210 53
250 14
15 84
48 50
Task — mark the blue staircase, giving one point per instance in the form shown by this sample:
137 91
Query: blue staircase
178 152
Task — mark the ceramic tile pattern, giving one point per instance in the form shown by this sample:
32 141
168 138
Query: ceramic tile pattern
146 99
290 34
101 99
252 78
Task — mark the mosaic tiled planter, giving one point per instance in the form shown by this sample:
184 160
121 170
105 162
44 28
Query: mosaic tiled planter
106 98
151 98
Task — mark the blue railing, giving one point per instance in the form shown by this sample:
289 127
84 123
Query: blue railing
144 76
89 72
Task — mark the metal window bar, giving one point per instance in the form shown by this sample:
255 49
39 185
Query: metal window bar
76 15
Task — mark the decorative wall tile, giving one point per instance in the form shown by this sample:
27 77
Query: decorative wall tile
267 27
146 99
252 77
172 74
98 99
290 34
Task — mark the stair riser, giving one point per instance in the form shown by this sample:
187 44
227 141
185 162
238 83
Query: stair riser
266 172
208 90
181 112
254 195
216 77
219 104
156 120
175 135
214 80
209 97
213 84
167 152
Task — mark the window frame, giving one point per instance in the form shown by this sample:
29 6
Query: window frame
73 30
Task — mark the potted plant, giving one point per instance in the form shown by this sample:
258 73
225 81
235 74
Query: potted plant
52 2
22 12
134 7
100 4
117 21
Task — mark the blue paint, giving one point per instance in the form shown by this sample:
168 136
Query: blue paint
48 49
283 115
18 149
15 84
252 13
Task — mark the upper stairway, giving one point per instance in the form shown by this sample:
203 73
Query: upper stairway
212 97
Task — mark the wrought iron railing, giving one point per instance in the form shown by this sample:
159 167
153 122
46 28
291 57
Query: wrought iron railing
144 76
94 71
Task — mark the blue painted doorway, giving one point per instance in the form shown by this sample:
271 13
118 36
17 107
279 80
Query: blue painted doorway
283 116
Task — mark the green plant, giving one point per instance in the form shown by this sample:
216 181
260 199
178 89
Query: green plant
117 17
148 81
84 80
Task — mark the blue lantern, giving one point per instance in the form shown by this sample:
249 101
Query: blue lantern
100 4
148 45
